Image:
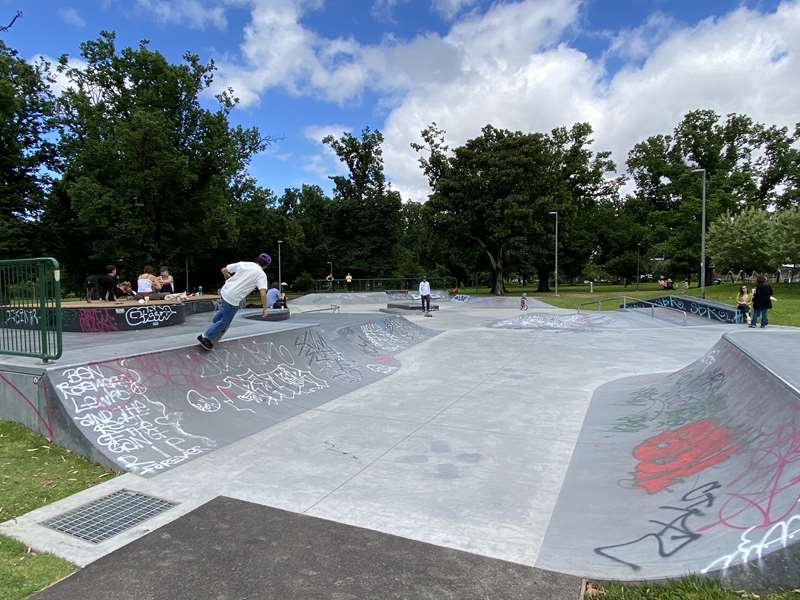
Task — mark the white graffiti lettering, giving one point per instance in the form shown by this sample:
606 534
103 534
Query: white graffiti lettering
779 534
148 315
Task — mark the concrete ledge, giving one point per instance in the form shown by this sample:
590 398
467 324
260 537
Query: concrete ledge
409 307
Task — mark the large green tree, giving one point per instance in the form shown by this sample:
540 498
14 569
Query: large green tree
149 175
497 192
27 154
366 221
745 241
747 164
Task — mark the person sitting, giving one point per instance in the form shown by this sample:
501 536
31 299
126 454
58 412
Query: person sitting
167 281
107 284
274 296
743 301
147 283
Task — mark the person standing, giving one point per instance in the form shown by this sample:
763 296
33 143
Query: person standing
425 295
348 279
147 283
743 304
523 301
241 278
762 301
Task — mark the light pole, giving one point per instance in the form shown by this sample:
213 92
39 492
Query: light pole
638 249
703 238
280 278
555 212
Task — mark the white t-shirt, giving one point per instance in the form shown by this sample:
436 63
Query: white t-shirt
144 285
424 288
246 276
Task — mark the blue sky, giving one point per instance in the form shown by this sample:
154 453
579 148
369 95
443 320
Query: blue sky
304 68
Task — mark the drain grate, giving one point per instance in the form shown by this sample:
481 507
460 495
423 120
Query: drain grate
106 517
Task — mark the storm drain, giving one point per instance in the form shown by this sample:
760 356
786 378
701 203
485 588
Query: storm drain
106 517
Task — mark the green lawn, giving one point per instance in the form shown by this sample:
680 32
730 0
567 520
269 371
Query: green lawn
690 588
34 473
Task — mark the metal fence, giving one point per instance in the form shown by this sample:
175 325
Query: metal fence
30 308
382 284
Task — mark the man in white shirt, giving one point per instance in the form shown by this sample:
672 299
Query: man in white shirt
425 294
241 278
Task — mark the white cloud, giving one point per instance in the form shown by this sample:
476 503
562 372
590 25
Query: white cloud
382 9
197 14
450 8
510 66
745 61
71 16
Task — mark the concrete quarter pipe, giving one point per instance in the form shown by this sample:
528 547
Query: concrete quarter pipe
695 471
150 412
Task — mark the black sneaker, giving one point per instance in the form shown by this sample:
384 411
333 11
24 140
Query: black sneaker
205 342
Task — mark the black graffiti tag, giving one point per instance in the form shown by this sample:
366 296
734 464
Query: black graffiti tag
674 535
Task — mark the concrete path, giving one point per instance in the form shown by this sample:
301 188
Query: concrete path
233 550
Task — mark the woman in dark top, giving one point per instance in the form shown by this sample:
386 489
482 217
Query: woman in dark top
762 301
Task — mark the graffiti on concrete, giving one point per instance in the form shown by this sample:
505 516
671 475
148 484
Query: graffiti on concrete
778 536
282 383
311 346
112 402
672 456
149 315
21 317
673 535
93 320
460 298
384 369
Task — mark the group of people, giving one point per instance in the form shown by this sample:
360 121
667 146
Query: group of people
760 299
147 284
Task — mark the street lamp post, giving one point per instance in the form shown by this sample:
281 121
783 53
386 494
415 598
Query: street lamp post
280 277
703 238
638 250
555 212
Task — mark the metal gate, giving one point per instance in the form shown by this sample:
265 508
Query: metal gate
30 308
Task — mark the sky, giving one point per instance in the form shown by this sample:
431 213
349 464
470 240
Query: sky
306 68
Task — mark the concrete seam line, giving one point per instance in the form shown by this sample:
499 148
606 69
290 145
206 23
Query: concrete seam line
377 458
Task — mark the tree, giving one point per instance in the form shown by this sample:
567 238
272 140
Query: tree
787 237
365 211
27 155
148 173
497 190
743 242
747 165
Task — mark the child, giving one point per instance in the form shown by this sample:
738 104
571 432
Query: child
523 301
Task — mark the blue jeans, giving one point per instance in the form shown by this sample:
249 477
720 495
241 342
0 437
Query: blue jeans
756 313
221 321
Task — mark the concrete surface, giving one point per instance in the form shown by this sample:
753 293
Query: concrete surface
476 442
233 550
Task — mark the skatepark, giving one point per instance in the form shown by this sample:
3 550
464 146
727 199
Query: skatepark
481 447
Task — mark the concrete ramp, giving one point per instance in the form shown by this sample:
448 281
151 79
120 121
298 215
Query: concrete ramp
694 471
149 412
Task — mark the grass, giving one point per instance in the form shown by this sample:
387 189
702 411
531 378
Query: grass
689 588
33 473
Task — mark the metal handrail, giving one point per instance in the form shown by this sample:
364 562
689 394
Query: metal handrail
653 305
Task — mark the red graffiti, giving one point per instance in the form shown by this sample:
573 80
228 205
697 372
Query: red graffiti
96 320
673 455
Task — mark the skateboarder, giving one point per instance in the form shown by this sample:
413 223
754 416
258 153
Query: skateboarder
523 301
425 296
241 278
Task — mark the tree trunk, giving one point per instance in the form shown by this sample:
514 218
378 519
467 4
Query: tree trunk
499 285
544 280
